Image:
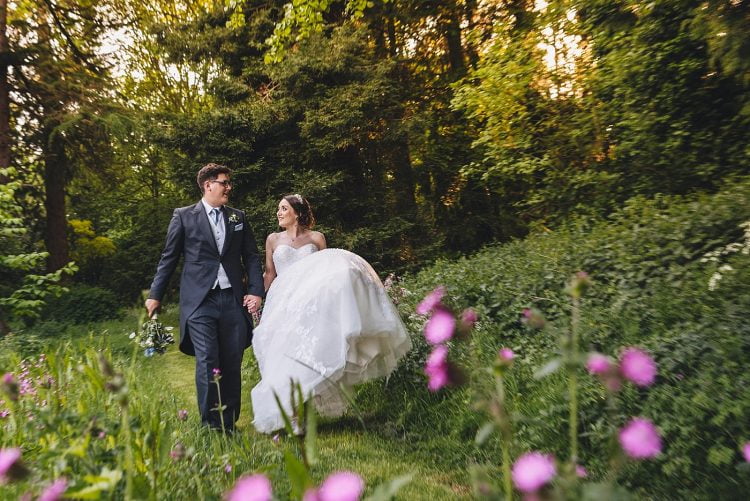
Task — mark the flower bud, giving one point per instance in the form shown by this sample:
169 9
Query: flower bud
10 386
11 467
178 452
533 318
579 284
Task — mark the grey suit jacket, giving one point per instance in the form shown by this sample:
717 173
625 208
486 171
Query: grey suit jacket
189 235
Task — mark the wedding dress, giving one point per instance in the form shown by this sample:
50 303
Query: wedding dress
327 322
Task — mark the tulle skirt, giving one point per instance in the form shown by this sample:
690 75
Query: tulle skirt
327 324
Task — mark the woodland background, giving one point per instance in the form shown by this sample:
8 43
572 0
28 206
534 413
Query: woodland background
493 147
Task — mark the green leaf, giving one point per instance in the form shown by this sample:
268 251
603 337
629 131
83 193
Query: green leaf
484 432
388 490
549 368
299 478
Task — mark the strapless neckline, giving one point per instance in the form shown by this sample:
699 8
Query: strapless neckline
285 255
295 248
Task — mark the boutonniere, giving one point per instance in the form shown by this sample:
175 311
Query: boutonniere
234 218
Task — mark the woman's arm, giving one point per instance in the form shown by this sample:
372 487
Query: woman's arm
270 274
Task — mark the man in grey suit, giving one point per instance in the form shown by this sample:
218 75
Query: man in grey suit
221 280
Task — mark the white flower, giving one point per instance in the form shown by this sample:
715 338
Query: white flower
132 335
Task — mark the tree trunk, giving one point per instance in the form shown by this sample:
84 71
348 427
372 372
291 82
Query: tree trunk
4 92
403 177
55 181
470 13
455 48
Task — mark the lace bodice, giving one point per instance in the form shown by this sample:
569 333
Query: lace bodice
285 255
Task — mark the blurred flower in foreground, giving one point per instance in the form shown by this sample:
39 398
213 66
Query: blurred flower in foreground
638 367
640 439
469 317
178 452
598 364
440 326
431 301
55 491
579 284
606 370
532 471
437 368
339 486
10 386
506 354
11 467
746 451
533 318
581 472
251 488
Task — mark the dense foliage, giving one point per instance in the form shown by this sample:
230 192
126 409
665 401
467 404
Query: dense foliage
654 266
418 130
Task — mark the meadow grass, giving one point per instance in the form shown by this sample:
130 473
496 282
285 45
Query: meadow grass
164 384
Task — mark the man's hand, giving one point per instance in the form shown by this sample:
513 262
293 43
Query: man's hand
152 305
252 303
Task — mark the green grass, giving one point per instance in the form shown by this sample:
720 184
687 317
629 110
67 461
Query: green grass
368 444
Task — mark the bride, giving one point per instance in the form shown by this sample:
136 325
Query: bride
327 322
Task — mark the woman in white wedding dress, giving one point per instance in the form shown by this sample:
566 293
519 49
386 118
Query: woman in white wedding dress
327 322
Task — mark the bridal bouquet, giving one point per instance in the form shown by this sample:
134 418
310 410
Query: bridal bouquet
153 337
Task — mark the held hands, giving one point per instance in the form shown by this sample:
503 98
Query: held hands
252 303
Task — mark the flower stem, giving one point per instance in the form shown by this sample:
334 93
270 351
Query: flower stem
503 421
573 382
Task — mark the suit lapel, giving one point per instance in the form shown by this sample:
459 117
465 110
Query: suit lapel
201 220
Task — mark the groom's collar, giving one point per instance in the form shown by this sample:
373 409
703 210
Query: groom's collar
207 206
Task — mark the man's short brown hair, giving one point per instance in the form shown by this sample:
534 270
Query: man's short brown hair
210 172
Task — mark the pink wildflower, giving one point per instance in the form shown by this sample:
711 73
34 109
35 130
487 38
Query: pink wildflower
506 354
598 364
178 452
55 491
11 467
431 301
311 495
533 318
581 472
469 317
10 386
640 439
182 414
532 471
638 366
437 368
746 451
440 326
341 486
251 488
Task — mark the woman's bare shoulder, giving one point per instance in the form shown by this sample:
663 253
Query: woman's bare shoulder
318 238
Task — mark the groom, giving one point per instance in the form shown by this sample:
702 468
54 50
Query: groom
221 280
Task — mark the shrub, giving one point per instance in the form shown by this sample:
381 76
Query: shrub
651 289
83 304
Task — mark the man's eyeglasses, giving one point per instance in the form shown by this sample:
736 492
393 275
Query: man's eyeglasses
226 184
